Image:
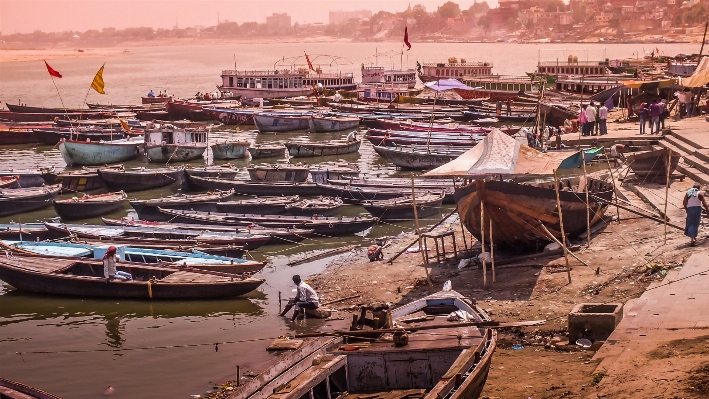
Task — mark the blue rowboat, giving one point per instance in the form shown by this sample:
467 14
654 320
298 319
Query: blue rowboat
281 122
76 153
230 150
197 259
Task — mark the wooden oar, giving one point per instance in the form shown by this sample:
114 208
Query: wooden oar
486 324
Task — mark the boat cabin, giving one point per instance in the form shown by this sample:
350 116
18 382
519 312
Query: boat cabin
572 67
380 75
496 87
454 69
383 93
572 84
169 134
286 79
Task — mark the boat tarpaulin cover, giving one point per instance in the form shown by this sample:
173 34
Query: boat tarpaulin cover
500 154
574 161
700 77
648 84
446 84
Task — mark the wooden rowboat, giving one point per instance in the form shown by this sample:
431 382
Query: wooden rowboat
278 172
48 275
258 205
77 153
89 206
226 171
148 209
20 200
230 149
428 204
9 181
323 206
437 358
15 390
261 188
322 124
651 166
141 178
335 147
417 157
266 151
280 122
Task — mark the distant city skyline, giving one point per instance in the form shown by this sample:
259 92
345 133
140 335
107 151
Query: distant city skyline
25 16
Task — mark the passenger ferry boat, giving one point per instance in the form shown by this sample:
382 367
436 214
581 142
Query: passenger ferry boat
433 71
495 87
375 75
282 83
573 67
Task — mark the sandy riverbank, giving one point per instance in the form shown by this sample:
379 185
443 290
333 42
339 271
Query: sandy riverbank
624 258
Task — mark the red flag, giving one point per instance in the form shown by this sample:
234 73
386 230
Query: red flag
52 71
310 64
406 38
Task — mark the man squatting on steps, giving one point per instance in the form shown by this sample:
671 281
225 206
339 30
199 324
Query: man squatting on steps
305 298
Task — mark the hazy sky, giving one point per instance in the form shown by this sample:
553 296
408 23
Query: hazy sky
59 15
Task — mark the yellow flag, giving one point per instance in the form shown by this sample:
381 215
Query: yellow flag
125 125
97 84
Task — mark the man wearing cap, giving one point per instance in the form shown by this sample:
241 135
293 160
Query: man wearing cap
305 298
109 266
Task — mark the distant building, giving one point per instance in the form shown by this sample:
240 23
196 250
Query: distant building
278 21
339 17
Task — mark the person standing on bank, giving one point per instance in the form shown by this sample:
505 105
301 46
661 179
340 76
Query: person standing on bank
591 118
654 117
643 113
109 266
603 119
693 202
305 298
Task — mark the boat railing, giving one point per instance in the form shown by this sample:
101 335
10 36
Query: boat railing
574 63
284 72
459 64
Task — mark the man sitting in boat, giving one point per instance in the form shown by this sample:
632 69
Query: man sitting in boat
109 266
305 298
151 93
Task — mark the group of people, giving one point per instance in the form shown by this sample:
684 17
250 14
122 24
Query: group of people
534 138
161 94
508 103
593 119
656 112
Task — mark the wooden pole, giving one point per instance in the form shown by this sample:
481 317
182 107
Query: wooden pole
492 252
615 190
704 39
482 240
561 225
667 188
588 206
418 231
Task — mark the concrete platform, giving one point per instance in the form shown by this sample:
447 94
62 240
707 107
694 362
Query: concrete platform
639 359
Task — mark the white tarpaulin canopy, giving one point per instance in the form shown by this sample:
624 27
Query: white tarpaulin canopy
700 77
500 154
446 84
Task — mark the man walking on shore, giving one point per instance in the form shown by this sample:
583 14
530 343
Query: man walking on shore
602 119
591 118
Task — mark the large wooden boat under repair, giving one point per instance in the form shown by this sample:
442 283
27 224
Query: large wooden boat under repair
652 166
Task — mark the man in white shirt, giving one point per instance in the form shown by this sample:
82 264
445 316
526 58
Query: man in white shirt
591 117
305 298
602 119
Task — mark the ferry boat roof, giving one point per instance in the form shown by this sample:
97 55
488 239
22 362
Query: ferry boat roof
287 73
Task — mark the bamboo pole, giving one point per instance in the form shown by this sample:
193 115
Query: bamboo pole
615 190
559 242
482 240
667 188
393 258
588 206
492 252
418 231
561 225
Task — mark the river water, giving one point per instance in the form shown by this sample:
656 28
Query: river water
77 347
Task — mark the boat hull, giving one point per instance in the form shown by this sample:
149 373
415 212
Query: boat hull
404 212
258 188
323 125
266 152
653 165
86 209
229 151
78 153
248 93
174 152
298 150
275 123
414 160
58 284
8 137
518 211
39 198
129 181
297 175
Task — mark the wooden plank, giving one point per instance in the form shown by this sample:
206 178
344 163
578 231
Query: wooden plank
310 378
281 366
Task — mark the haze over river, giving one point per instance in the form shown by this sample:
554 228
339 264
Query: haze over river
77 347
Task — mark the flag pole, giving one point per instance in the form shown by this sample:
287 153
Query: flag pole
66 113
89 89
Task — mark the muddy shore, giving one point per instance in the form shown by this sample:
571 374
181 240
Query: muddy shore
623 259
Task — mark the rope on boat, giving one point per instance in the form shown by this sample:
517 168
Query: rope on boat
139 348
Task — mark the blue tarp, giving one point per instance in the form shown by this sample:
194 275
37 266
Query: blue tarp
446 84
